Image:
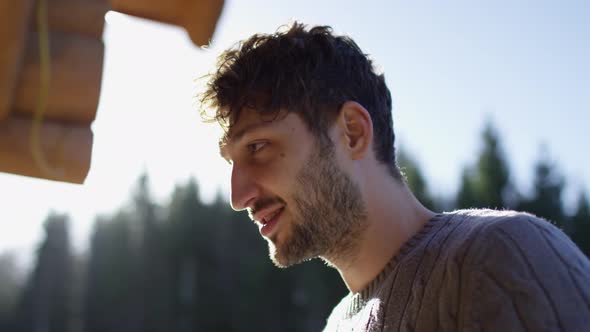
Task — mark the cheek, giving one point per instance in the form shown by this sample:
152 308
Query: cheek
285 162
273 177
284 165
282 178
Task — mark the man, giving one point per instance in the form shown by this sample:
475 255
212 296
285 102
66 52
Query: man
308 133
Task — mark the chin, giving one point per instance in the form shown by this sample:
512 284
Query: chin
276 257
278 262
282 260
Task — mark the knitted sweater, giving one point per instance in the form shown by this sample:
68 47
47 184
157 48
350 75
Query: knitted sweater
476 270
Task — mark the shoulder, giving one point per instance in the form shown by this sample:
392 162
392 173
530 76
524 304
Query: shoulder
523 235
522 271
490 238
481 225
464 234
486 219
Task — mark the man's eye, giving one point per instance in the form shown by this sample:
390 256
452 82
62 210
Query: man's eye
255 147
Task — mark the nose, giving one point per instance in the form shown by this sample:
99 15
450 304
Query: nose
243 188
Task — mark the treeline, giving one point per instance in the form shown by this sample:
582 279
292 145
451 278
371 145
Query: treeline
488 184
188 266
181 266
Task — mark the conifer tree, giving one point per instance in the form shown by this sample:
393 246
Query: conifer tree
110 287
45 304
10 288
487 183
581 224
546 198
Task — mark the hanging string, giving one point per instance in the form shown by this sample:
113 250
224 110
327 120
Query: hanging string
44 78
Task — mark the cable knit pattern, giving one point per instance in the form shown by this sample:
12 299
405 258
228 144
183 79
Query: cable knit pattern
476 270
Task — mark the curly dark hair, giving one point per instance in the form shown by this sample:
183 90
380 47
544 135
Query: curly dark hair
310 72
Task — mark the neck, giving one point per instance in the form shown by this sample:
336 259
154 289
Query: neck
394 215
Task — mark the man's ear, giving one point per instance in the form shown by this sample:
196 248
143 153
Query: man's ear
356 128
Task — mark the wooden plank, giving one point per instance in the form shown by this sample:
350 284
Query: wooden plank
198 17
15 17
84 17
76 73
200 21
66 147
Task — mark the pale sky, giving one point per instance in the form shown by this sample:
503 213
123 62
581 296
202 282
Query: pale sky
450 66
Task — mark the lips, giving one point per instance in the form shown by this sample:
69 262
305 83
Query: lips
271 215
270 221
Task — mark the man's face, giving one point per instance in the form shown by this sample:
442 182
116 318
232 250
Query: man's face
304 204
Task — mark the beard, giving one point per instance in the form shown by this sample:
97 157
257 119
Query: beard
329 215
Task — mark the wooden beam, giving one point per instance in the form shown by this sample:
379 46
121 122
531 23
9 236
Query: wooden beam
15 17
76 73
198 17
85 17
66 147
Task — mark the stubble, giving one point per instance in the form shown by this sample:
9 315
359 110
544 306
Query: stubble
329 214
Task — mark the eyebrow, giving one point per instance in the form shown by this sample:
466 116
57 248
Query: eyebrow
237 136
